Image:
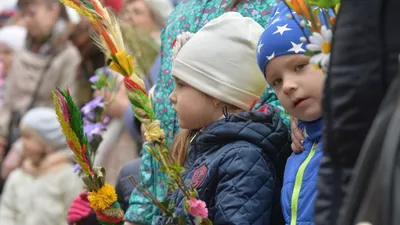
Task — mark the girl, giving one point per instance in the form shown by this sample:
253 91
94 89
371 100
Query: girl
233 157
191 16
41 191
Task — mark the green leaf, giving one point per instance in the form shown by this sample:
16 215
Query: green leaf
309 53
324 3
186 205
165 203
205 221
182 220
193 194
75 117
89 183
192 186
103 170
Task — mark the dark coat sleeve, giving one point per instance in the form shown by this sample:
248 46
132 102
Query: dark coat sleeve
246 188
363 63
124 186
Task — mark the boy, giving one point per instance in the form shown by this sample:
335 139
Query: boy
298 86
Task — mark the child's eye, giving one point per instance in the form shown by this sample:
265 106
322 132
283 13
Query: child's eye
300 67
180 84
276 82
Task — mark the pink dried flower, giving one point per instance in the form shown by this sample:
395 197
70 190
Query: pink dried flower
197 208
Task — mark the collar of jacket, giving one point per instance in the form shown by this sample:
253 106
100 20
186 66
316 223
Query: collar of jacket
254 127
312 129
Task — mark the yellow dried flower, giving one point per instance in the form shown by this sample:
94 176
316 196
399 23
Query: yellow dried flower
153 132
103 198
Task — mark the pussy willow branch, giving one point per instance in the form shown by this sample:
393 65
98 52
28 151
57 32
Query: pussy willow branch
148 196
177 178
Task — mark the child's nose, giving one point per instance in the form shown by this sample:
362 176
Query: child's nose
172 97
289 86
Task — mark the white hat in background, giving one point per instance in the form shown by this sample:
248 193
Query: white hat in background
8 4
220 60
43 122
73 16
13 36
161 7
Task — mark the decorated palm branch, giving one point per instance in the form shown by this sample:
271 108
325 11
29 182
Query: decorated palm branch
102 196
317 19
107 35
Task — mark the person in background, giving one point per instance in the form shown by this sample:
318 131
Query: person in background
149 15
7 10
5 15
92 59
360 74
12 41
40 192
92 56
298 87
48 61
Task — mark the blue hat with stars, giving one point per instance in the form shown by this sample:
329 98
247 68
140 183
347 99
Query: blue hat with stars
281 37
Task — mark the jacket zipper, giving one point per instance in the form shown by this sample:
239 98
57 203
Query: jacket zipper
297 185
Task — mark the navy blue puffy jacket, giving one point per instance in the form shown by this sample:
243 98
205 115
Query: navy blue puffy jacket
236 164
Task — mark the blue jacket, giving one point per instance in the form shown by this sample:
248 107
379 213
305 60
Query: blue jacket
300 179
237 164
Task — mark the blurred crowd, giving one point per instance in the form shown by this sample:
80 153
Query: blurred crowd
45 45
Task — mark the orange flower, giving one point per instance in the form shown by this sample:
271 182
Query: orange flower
333 20
300 7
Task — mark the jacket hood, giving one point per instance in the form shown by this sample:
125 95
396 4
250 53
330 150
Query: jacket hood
264 130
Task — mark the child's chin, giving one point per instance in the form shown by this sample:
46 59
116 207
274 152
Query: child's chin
183 124
308 116
188 125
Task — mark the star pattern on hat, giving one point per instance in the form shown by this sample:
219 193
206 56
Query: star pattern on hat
275 20
277 11
281 37
282 29
269 57
259 47
297 48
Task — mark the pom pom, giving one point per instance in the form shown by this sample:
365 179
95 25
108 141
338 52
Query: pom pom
179 41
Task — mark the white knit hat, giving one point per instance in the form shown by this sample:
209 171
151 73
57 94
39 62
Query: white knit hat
73 16
43 122
220 60
13 36
8 4
161 7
